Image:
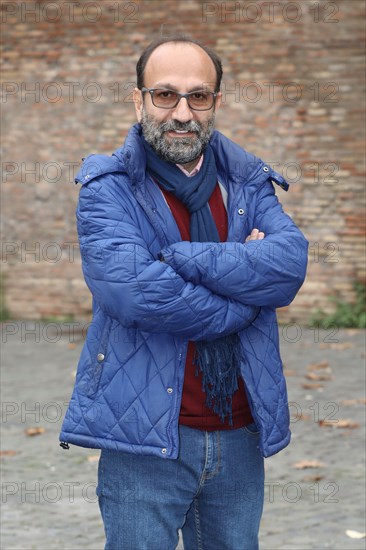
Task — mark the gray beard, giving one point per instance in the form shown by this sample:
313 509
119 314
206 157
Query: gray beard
177 150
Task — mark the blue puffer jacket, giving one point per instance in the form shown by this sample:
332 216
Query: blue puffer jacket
152 293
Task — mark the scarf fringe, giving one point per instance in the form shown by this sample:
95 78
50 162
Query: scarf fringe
219 361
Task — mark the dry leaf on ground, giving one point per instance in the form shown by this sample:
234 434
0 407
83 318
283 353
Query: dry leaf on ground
313 478
320 377
339 424
310 386
349 402
347 424
300 416
336 345
8 453
308 464
318 366
93 458
352 331
34 431
355 534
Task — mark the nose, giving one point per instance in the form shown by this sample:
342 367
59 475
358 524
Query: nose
182 111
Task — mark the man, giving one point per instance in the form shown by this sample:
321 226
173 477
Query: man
187 253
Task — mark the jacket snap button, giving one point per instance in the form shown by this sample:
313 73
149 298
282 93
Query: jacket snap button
100 357
265 169
241 212
169 390
163 451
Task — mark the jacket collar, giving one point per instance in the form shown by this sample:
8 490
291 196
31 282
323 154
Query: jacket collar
235 166
233 163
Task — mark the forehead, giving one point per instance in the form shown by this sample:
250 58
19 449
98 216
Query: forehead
182 65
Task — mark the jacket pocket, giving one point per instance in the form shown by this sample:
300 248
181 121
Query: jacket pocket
94 368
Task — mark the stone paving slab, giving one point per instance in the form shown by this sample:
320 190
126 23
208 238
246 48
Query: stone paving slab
48 494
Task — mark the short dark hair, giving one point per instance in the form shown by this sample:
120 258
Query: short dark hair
141 64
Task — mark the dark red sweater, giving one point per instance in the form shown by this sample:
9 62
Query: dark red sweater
194 412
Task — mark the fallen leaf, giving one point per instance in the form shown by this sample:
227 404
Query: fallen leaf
93 458
8 453
318 366
314 376
349 402
304 344
352 331
300 416
336 345
308 464
355 534
290 373
309 386
71 345
327 423
34 431
338 424
313 478
347 424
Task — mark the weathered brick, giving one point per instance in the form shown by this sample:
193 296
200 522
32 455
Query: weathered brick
322 131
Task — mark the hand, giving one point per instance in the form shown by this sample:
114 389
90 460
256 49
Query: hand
255 235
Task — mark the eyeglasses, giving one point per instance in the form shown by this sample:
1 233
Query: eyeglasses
168 99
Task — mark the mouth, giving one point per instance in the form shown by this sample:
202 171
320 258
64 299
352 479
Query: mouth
180 133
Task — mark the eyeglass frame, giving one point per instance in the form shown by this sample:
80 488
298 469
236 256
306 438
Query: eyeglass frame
186 96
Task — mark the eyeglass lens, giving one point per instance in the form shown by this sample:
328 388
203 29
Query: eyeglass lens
196 100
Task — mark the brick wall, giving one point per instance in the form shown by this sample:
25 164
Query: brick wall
293 95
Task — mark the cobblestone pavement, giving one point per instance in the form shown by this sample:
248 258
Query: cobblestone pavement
48 499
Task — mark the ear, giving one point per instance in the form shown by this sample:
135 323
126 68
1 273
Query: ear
218 101
137 99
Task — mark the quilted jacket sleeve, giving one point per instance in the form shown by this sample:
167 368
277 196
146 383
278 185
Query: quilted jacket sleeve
266 272
138 290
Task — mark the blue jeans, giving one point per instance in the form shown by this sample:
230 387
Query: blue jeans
213 491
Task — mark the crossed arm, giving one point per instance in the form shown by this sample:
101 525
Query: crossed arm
266 270
141 292
202 290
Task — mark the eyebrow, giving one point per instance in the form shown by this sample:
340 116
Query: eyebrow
168 86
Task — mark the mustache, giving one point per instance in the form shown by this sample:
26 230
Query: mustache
171 125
